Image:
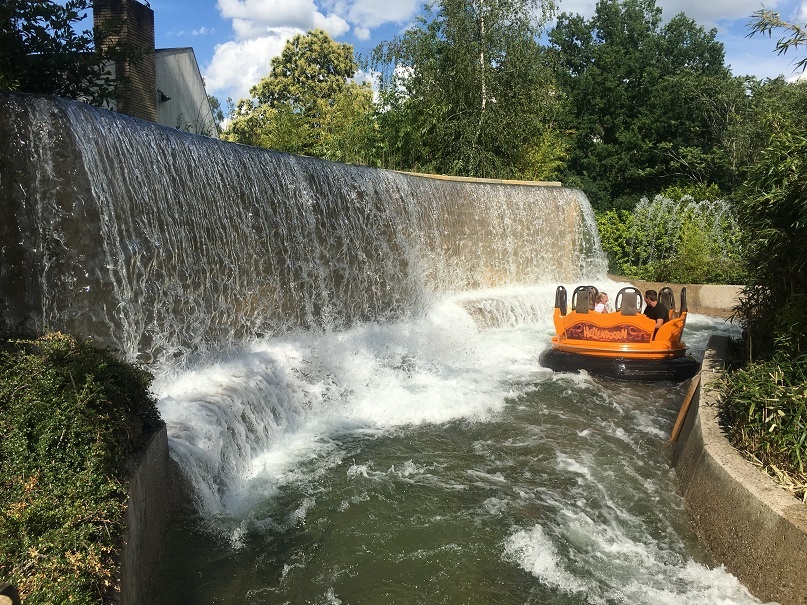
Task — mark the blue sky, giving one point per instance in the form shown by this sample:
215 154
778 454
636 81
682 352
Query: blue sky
234 40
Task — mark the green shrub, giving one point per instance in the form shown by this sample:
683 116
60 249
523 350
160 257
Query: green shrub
674 240
70 415
763 411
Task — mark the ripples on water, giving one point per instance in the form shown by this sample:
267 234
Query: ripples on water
430 462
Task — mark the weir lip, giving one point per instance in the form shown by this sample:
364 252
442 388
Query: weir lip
748 524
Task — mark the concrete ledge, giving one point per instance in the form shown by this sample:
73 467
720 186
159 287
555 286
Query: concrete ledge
755 529
706 299
471 179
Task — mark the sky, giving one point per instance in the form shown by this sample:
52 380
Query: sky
235 40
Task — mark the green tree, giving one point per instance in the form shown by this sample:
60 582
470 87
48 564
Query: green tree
633 93
762 404
308 104
218 112
41 51
774 207
469 92
310 67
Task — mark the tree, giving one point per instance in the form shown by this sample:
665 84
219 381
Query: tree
774 209
468 92
216 109
310 67
41 51
632 90
308 104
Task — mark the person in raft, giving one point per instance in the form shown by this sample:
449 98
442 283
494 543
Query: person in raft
602 301
655 309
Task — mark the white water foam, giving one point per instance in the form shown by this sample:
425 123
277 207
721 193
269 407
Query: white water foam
240 427
619 569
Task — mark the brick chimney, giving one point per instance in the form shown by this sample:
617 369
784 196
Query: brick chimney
130 24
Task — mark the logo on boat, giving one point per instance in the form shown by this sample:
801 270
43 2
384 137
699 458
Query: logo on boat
621 333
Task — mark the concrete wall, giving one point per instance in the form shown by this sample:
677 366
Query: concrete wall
181 97
706 299
155 492
757 530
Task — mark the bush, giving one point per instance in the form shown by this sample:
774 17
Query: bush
763 411
70 416
681 240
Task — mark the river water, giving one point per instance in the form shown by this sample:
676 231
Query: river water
429 462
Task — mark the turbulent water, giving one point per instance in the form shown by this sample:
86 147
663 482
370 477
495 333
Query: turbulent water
431 461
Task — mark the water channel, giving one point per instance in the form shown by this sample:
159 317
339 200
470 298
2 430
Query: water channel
434 462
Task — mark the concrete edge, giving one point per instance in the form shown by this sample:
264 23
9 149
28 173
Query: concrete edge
471 179
757 530
155 494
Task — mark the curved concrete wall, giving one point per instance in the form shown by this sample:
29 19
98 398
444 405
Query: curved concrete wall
706 299
755 529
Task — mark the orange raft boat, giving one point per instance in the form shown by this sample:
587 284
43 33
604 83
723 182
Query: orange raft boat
624 344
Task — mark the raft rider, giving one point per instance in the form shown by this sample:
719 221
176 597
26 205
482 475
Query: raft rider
655 309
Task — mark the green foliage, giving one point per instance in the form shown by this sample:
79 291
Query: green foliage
41 52
697 192
216 109
311 67
763 407
763 404
469 92
308 105
674 240
616 237
774 210
639 99
765 21
70 414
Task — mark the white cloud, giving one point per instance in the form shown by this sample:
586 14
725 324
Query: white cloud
262 27
238 66
288 13
710 13
252 18
370 14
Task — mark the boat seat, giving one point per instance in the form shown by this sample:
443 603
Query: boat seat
582 303
583 298
629 305
667 298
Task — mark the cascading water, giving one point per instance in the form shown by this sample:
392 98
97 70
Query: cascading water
346 361
162 243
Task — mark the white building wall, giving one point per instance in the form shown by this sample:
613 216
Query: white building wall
181 96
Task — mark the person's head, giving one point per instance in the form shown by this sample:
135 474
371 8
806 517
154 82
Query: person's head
651 297
602 297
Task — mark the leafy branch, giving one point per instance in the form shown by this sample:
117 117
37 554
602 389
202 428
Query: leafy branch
766 20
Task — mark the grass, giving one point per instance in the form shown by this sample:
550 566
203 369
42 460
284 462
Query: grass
71 415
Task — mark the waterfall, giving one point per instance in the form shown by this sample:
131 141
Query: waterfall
175 249
161 243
